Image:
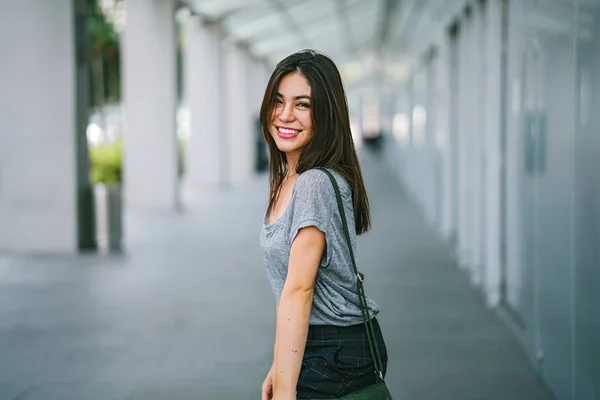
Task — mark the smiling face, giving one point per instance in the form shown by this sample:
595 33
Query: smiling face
291 117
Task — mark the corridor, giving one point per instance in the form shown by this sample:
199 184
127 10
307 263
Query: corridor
187 313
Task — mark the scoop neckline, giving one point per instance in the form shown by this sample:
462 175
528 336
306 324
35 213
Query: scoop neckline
274 223
266 223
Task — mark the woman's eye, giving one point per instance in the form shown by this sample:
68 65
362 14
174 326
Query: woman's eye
304 105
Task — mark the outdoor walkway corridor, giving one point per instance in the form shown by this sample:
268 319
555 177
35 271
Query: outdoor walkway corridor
187 313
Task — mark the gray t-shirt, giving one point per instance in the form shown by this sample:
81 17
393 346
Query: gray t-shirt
313 203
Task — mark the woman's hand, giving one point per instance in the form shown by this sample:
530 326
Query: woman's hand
268 393
286 397
267 386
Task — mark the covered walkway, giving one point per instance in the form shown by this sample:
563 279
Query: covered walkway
187 312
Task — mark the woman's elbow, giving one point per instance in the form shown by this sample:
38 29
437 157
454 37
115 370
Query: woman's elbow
298 293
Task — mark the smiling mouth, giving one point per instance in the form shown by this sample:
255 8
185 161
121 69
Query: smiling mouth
287 131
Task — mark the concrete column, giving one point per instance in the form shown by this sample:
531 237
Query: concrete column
407 151
402 131
430 154
259 77
386 105
444 140
454 86
39 135
239 117
257 80
479 109
417 162
492 128
517 275
464 131
149 80
204 91
471 147
266 71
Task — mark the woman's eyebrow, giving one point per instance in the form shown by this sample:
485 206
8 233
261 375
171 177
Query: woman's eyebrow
302 96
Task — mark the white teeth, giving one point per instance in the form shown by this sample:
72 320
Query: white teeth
288 131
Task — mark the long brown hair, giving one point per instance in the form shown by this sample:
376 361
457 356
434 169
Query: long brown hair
332 145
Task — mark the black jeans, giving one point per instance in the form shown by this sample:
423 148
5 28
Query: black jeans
338 361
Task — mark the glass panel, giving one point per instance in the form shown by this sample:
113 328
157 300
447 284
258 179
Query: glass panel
587 204
518 285
548 139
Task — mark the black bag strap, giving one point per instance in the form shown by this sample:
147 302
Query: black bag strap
360 278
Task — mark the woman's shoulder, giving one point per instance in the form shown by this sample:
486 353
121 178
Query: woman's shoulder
312 182
315 177
318 176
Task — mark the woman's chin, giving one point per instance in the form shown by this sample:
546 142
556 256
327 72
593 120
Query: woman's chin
287 148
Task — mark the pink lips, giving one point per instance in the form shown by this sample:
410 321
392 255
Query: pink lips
287 135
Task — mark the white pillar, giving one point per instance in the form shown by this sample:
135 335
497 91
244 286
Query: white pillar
256 86
454 85
239 118
267 71
492 128
444 140
476 134
516 240
149 80
259 78
38 127
408 150
203 86
430 154
403 112
386 105
464 130
419 125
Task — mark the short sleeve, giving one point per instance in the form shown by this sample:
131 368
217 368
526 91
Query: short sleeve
314 203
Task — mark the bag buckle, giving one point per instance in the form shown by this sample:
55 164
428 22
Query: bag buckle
361 277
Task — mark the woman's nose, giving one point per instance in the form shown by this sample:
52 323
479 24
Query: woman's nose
287 113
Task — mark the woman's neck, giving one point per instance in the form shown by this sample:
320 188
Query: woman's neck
292 163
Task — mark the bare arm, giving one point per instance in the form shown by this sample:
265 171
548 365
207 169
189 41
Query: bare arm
294 310
274 367
275 345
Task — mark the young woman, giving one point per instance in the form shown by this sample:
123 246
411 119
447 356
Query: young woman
321 348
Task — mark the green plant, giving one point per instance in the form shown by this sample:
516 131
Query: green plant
106 163
103 57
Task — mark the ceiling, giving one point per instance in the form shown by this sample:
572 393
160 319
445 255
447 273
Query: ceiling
366 38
